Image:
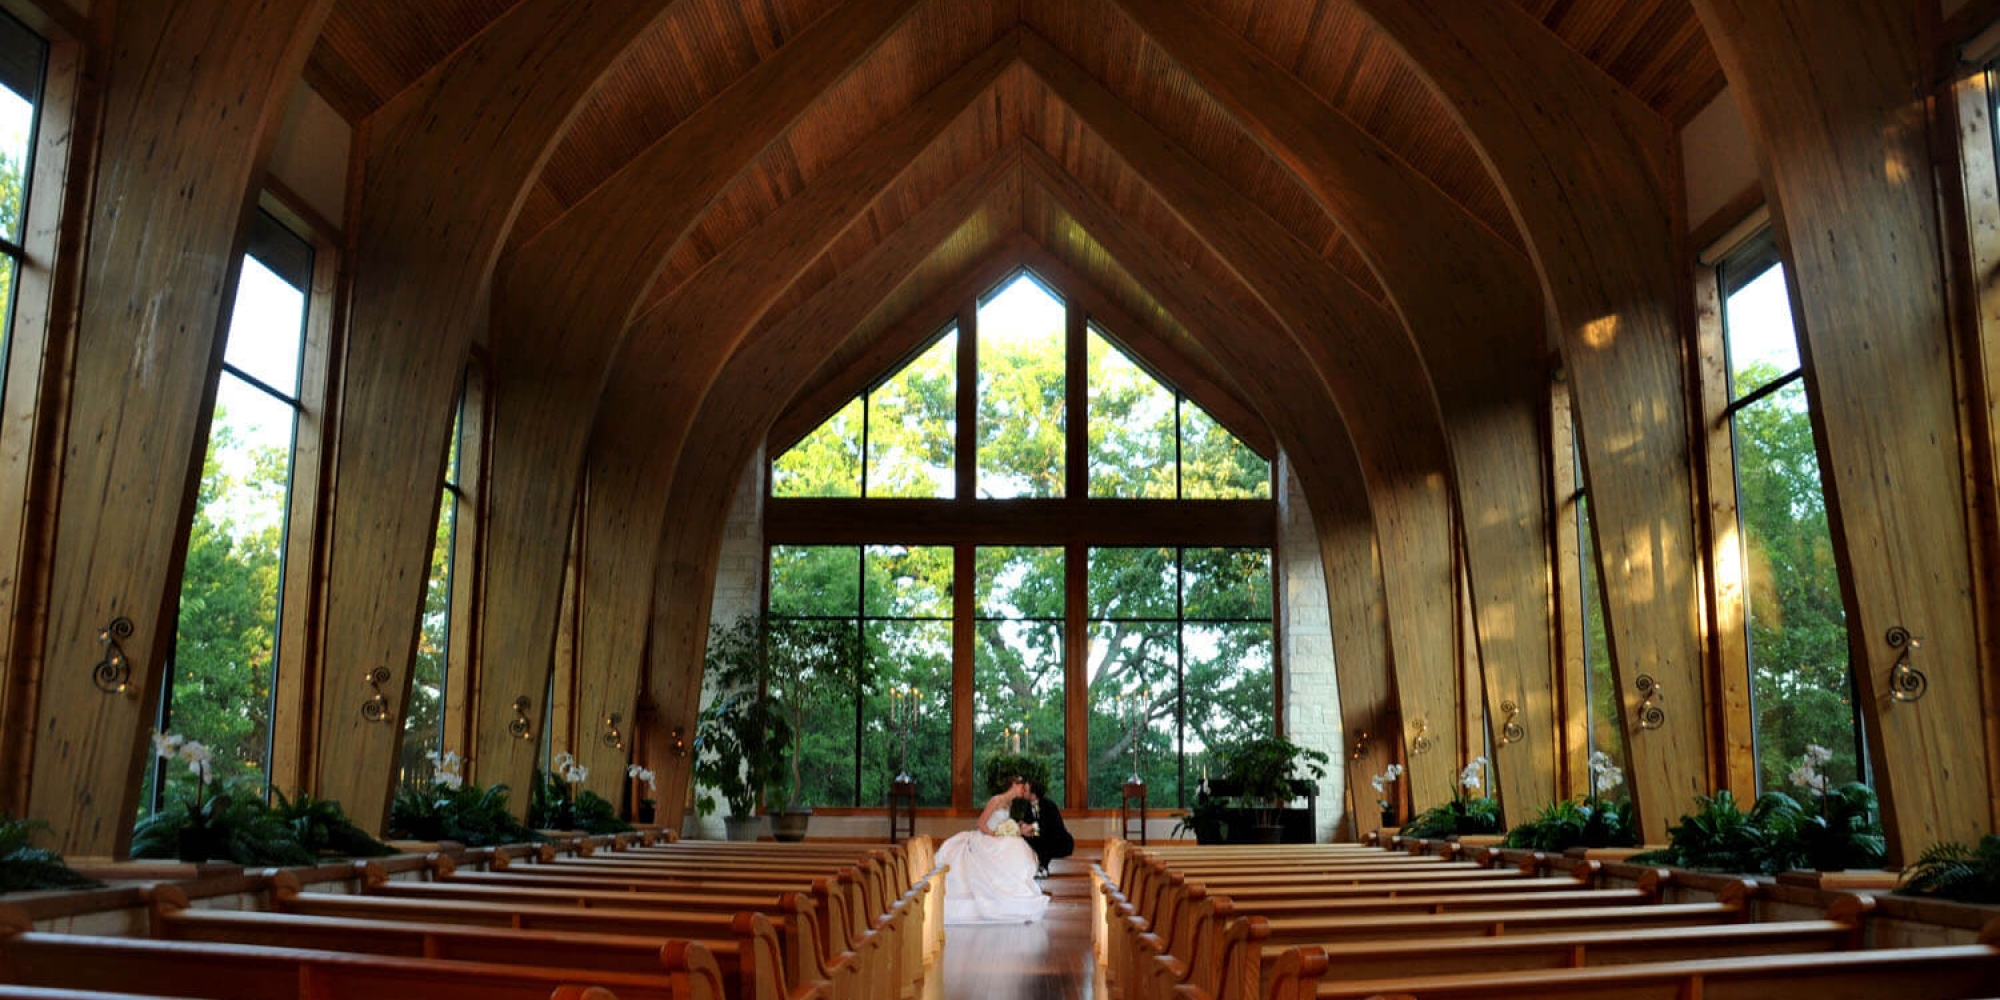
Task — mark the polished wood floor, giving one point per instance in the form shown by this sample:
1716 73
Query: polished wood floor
1050 960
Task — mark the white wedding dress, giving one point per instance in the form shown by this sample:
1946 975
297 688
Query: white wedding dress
991 880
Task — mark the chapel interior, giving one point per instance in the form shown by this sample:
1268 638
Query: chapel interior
1528 389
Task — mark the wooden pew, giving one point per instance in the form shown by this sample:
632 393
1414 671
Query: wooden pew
238 972
1947 973
747 963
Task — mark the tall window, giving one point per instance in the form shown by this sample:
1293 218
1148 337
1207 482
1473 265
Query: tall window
1801 681
1180 662
423 722
1601 703
23 64
1189 627
224 668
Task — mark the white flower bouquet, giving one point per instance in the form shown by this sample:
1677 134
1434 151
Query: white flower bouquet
1008 828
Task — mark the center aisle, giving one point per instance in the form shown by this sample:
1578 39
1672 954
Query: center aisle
1049 960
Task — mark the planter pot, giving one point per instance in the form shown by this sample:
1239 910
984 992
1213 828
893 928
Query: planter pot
647 809
1388 818
198 845
743 827
1273 834
790 827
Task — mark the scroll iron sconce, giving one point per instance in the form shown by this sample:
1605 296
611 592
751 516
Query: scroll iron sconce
113 674
612 738
1651 715
1906 683
1512 731
519 727
1360 751
1421 743
376 709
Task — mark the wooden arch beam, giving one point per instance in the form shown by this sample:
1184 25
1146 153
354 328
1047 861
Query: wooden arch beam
445 169
698 480
1468 299
1586 168
191 103
1375 378
563 303
1834 95
1295 405
671 357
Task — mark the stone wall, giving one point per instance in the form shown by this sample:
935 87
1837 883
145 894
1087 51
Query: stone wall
1305 643
739 591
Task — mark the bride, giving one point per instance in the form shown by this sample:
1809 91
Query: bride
991 879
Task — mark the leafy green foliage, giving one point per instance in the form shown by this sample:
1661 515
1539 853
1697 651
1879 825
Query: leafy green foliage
222 825
1001 770
1264 767
473 816
739 749
321 827
1777 833
1955 871
1473 815
791 670
554 807
25 867
1570 823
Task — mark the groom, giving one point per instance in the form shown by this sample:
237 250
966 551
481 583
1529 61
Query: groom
1051 839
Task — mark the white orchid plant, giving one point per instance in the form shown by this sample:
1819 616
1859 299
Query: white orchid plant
447 768
642 774
1381 783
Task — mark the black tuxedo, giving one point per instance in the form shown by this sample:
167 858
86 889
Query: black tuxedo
1052 839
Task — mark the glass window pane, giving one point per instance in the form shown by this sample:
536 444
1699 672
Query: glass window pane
1021 379
423 721
226 638
1226 583
828 752
1131 427
23 56
1215 464
827 463
1600 688
912 661
1018 689
1134 706
815 580
1228 671
913 427
1763 343
1133 584
267 330
905 582
1018 582
1802 685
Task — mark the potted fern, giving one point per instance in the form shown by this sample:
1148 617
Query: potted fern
1266 773
1468 812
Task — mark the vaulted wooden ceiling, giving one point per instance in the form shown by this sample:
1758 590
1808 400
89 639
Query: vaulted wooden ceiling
372 50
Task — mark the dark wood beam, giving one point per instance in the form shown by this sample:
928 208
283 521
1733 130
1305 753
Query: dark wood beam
1224 523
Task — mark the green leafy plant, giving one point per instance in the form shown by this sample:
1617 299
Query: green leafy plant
558 803
1263 768
739 748
1001 770
469 814
790 670
1955 871
1467 813
25 867
1719 835
321 827
214 822
1204 819
1575 823
1842 832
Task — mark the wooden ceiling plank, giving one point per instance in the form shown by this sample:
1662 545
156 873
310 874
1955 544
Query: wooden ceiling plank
1481 335
208 80
1294 404
1810 78
562 304
447 165
1587 171
1376 378
643 567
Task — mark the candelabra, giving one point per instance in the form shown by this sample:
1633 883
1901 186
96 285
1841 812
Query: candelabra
905 709
1015 736
1133 710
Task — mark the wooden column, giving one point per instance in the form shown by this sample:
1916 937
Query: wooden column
1834 97
194 93
1588 171
445 167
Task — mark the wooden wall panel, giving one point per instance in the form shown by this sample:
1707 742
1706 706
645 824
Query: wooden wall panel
446 165
1833 97
748 391
1587 170
562 305
1238 331
194 94
1481 341
1376 380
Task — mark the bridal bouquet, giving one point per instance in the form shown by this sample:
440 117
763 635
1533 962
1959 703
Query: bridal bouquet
1008 828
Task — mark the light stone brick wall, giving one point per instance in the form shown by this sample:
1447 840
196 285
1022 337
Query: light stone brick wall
1312 696
739 591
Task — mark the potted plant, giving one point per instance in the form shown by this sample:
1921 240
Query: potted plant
1593 822
448 808
647 804
1264 770
738 752
1469 812
1954 871
214 824
1384 799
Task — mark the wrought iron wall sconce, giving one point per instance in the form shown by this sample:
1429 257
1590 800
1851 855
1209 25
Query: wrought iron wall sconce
677 742
1511 731
520 728
1421 743
1906 683
612 737
1651 715
1360 747
113 674
376 709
